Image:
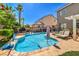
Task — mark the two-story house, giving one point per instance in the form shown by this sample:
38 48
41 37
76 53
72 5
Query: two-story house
68 10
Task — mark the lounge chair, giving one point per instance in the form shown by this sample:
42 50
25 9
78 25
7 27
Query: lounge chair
64 35
60 33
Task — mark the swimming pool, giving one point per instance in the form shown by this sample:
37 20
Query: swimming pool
32 42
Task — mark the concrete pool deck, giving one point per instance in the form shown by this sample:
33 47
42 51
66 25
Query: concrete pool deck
65 45
20 35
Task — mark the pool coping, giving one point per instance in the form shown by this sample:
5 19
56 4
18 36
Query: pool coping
15 53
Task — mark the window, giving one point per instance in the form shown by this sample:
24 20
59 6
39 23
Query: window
63 12
77 23
63 26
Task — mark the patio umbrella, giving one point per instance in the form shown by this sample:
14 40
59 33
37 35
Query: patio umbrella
48 32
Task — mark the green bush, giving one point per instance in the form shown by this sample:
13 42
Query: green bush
6 32
71 53
3 41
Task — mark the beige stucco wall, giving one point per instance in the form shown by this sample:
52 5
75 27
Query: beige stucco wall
72 9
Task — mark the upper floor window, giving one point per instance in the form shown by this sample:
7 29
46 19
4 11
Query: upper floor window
63 12
64 26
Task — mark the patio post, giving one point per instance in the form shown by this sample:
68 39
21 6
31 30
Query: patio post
74 28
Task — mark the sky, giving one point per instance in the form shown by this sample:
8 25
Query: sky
34 11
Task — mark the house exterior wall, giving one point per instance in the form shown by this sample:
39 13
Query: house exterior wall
71 9
47 20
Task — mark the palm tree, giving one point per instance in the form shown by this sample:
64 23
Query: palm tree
11 10
19 8
23 21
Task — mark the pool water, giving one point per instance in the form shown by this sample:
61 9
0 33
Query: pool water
32 42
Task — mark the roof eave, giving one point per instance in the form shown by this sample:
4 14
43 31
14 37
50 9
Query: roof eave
64 6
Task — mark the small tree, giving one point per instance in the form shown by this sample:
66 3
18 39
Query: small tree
7 18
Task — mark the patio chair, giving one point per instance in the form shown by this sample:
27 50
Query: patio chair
59 33
64 35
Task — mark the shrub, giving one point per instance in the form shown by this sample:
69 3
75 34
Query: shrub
6 32
3 41
71 53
